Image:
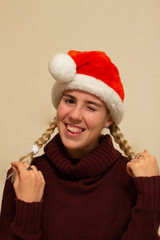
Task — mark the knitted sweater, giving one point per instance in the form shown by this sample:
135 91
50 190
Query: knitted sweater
88 199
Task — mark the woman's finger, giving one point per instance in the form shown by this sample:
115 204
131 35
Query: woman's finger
21 168
34 170
16 174
41 176
143 154
26 165
129 170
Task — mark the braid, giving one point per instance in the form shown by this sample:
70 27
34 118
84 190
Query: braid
119 138
46 136
39 143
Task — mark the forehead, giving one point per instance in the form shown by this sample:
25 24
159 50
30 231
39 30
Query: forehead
82 94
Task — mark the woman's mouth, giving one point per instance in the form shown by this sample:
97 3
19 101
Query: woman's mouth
73 129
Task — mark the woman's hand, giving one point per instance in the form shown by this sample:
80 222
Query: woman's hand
28 184
144 165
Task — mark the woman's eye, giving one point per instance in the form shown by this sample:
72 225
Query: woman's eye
69 101
92 109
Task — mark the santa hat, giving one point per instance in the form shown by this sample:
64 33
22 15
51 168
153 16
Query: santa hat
91 72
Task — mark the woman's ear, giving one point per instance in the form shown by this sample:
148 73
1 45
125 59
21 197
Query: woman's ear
109 121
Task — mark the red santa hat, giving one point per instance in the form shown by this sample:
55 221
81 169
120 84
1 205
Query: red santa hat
91 72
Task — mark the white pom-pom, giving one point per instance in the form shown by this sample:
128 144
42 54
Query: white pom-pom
62 67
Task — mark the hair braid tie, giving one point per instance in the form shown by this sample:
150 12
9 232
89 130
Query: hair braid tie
34 149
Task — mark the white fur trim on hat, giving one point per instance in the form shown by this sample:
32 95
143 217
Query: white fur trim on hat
62 67
94 86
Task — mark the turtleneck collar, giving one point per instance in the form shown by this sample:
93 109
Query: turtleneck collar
91 165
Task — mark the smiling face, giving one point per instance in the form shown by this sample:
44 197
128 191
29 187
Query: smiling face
81 117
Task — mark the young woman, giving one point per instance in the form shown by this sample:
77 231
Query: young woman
82 188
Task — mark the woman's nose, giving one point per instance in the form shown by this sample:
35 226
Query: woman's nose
76 114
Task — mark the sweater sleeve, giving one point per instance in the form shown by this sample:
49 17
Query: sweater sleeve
19 220
145 217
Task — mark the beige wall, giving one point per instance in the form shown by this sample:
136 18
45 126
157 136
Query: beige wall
31 31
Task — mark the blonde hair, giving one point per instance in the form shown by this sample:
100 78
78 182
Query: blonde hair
114 131
119 138
39 143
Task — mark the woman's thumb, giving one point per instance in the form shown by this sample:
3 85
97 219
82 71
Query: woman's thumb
16 172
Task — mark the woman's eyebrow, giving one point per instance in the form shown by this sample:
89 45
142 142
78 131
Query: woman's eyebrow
68 95
87 102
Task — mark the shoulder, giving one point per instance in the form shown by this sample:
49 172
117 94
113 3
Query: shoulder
122 165
120 172
40 162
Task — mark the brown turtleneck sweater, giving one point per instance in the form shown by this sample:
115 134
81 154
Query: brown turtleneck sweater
88 199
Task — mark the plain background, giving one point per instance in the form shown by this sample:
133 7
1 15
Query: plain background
31 31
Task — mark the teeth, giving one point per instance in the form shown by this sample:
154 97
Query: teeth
74 129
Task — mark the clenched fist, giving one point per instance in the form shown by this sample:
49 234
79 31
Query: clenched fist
29 184
144 165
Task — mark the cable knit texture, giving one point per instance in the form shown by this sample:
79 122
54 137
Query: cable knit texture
89 198
92 165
